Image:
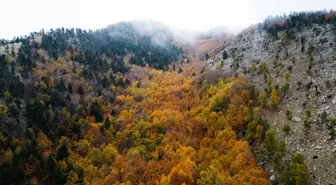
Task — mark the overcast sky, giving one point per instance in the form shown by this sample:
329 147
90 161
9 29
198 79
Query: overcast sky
20 17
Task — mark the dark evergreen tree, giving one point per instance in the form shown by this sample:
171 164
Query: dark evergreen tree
107 123
62 152
225 55
80 90
105 82
206 56
69 88
61 86
97 113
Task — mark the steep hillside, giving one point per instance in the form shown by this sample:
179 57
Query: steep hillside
293 57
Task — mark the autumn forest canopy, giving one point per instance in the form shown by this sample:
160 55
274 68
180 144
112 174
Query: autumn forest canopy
121 105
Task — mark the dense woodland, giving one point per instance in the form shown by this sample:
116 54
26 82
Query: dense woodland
297 20
70 113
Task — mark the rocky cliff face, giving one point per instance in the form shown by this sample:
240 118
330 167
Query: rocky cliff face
303 65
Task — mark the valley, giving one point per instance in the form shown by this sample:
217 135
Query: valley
140 103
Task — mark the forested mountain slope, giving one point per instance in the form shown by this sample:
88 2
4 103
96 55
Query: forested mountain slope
295 57
51 81
88 107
